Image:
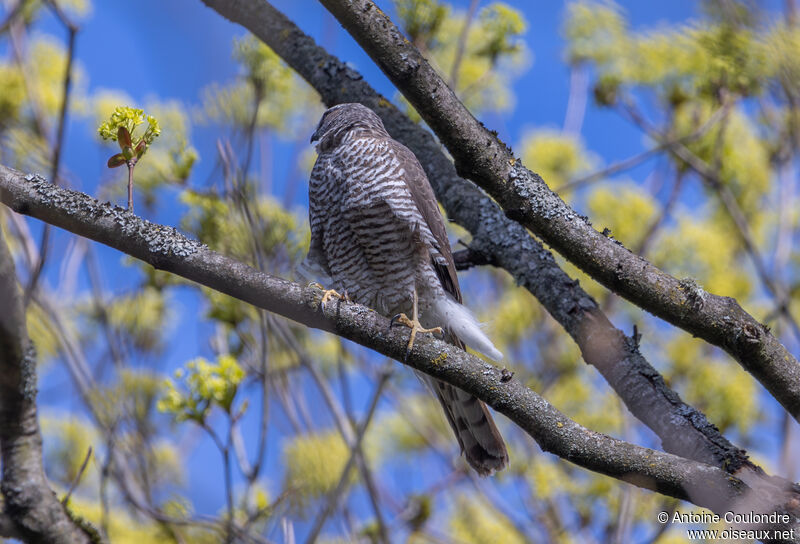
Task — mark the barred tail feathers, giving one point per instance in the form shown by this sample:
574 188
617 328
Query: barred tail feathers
477 435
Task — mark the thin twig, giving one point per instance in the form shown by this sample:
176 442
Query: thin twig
131 165
462 43
58 146
115 347
346 427
333 497
17 50
78 477
576 103
630 162
12 15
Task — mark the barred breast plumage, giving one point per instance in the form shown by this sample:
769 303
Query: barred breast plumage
376 233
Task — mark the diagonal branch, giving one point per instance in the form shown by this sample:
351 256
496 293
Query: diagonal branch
166 249
505 243
480 156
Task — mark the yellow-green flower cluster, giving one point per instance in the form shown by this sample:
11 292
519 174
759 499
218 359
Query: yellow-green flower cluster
314 465
206 384
130 118
421 19
503 25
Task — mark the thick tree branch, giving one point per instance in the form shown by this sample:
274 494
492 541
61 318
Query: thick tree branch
166 249
29 503
503 242
480 156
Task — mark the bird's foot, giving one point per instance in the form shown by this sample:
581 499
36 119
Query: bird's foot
415 327
329 294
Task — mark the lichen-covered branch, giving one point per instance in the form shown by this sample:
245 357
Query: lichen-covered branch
502 242
166 249
480 156
31 511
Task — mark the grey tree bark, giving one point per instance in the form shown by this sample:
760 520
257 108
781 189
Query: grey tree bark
31 511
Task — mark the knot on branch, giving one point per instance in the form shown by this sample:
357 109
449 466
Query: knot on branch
695 295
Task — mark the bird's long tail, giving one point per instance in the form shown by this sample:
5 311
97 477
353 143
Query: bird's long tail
472 424
474 428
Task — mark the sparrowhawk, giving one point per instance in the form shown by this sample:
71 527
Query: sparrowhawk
377 235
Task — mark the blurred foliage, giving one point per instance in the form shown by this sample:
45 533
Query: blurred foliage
703 249
206 385
685 60
743 157
12 93
44 69
420 424
475 522
41 333
64 456
726 84
143 329
490 57
268 93
422 20
32 9
213 218
314 465
30 98
555 156
626 210
726 394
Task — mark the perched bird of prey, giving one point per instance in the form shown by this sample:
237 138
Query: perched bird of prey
378 236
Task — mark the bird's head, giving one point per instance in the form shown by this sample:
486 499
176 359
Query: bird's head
342 118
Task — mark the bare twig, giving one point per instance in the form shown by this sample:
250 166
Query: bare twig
462 43
576 103
58 145
665 145
347 429
333 497
13 13
78 477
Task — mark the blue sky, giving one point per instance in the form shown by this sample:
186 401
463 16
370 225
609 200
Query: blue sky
173 49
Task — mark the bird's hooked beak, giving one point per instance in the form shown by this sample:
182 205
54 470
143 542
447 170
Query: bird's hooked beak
316 136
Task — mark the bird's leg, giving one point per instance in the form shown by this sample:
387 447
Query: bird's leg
329 293
412 324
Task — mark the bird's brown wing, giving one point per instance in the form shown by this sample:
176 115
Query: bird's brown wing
422 193
469 418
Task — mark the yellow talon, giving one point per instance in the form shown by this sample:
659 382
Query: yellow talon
412 324
329 293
